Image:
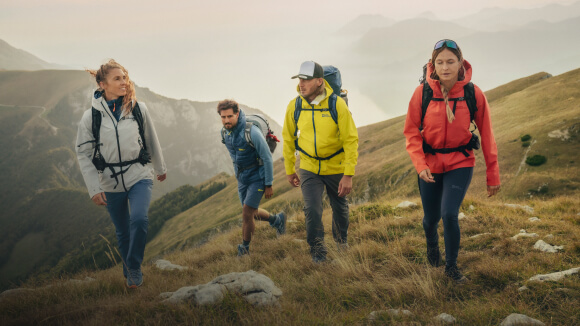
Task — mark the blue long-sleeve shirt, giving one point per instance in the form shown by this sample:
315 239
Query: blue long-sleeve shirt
264 153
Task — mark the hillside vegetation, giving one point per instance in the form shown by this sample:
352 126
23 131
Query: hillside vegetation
385 266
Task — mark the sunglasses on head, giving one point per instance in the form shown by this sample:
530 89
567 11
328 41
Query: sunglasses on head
447 43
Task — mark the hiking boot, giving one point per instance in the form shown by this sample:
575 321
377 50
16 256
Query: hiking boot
280 224
342 246
434 256
318 259
454 273
134 278
243 250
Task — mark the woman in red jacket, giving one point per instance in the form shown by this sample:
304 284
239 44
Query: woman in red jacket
441 145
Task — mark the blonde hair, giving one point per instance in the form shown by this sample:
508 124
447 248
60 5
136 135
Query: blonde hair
100 75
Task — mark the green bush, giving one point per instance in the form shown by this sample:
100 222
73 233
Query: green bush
536 160
526 144
526 137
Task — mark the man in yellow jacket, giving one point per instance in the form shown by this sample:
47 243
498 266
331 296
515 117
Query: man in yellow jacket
319 125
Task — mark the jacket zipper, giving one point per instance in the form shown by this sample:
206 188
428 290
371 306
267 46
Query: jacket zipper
118 145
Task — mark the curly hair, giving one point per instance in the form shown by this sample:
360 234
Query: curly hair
226 105
100 75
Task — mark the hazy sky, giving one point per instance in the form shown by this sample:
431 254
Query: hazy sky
210 50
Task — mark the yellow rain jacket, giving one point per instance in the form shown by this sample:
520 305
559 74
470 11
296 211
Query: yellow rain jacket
320 136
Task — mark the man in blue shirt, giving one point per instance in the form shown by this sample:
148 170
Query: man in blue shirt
253 168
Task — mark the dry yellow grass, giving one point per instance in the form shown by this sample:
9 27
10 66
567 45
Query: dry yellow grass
385 267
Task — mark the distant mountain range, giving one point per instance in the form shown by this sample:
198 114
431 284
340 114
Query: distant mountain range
12 58
386 63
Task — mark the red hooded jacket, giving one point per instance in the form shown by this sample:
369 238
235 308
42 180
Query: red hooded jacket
439 133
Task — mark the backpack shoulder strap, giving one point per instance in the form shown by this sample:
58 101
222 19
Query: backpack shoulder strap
223 133
425 100
297 111
469 94
332 107
96 127
139 118
248 133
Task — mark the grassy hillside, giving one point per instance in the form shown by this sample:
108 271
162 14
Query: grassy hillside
535 105
384 268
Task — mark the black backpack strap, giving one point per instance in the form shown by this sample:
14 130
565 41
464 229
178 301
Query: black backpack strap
425 100
469 94
332 107
297 111
139 118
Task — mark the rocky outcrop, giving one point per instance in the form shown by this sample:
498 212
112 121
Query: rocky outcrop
256 288
519 319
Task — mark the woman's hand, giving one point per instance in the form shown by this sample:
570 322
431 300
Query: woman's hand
162 177
492 190
426 176
100 199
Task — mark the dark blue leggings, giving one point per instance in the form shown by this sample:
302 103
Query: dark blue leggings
442 200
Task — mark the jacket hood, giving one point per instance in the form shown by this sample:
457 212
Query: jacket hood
326 87
459 85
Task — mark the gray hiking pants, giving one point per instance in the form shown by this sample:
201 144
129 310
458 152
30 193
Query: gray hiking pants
313 186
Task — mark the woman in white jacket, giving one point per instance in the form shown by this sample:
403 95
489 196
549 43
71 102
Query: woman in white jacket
114 157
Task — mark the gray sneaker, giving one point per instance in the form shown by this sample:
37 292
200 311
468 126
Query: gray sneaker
280 225
134 278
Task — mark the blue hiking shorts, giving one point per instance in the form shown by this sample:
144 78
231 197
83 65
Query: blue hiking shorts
251 194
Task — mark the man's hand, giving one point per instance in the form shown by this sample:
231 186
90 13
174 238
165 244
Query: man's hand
100 199
345 185
293 179
269 192
492 190
426 176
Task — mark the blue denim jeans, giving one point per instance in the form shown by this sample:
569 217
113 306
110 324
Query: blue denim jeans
442 199
128 211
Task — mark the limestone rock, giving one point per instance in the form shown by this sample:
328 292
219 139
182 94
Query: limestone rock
398 217
554 277
165 295
461 216
545 247
534 219
519 319
479 235
523 288
549 236
524 207
407 204
256 288
445 318
166 265
471 207
524 234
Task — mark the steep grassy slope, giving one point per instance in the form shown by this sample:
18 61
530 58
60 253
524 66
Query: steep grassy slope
535 105
385 268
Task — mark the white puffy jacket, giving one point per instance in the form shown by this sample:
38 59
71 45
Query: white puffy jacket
121 142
